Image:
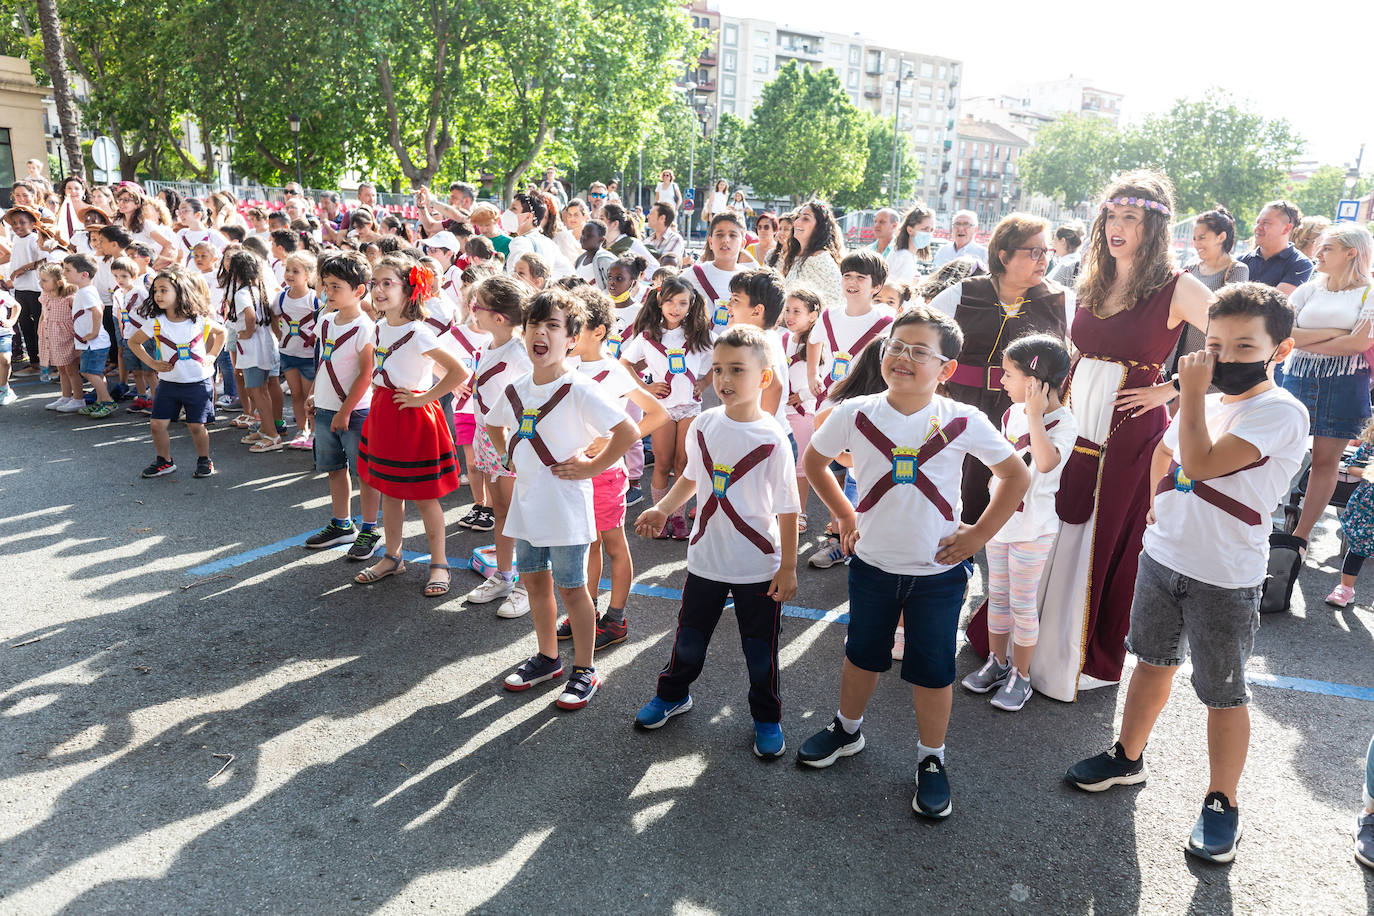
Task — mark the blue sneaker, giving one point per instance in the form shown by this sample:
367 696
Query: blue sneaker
655 712
1217 830
1110 768
1364 840
932 790
632 496
768 741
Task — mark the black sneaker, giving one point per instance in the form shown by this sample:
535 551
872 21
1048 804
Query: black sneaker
467 520
580 689
932 790
331 535
204 467
830 744
159 467
534 670
565 628
1217 830
366 544
485 521
608 634
1110 768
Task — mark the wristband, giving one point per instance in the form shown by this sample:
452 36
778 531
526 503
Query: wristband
1175 382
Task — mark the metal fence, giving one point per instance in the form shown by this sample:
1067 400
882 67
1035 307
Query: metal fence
268 194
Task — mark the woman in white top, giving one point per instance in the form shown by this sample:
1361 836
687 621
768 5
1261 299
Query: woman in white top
667 191
530 212
715 203
622 237
1328 370
130 200
911 250
574 217
812 256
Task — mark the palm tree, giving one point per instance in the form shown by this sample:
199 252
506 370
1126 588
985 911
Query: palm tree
56 61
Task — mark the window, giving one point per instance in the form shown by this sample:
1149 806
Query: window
943 71
756 89
927 69
727 86
732 35
727 106
836 51
997 151
963 148
760 64
941 94
6 161
853 79
854 55
959 186
889 89
892 66
924 113
761 40
728 61
924 92
922 135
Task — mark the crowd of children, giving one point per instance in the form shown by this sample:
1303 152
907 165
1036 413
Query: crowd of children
414 371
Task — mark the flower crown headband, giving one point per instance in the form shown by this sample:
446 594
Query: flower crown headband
1138 202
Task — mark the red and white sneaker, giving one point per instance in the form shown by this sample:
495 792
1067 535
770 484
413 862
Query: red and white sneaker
580 689
1341 596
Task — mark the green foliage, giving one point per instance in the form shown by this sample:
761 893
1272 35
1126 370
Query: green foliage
1318 195
1072 158
876 188
806 137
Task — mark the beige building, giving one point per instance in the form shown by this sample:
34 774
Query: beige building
21 122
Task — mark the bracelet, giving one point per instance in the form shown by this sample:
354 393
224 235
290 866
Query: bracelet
1175 382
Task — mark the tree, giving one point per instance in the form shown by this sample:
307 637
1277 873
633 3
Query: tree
1072 158
806 137
54 55
1318 195
728 142
1216 152
876 188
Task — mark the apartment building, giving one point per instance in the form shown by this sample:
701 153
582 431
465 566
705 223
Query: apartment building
987 177
1073 94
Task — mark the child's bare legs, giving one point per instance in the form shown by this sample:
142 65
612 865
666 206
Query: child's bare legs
622 567
393 518
477 481
242 390
1145 699
340 493
199 436
433 516
544 611
162 441
932 713
1228 740
4 369
273 402
501 492
299 389
594 569
254 403
70 376
97 380
664 440
371 500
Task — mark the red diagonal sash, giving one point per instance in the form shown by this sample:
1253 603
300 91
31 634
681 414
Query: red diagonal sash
1214 497
536 440
746 464
380 370
932 447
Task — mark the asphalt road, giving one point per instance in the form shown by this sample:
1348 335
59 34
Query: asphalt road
267 737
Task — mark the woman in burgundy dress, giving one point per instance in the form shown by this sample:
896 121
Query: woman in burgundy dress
1132 304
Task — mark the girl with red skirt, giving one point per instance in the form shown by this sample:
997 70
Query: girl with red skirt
406 451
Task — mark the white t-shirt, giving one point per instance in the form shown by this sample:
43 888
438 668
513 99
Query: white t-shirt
9 308
124 305
901 266
718 201
666 193
497 367
298 323
439 317
24 251
625 314
186 341
718 294
546 510
615 382
1317 307
86 306
669 360
1193 537
104 281
901 531
542 245
188 239
972 250
796 369
758 494
341 347
400 358
777 359
451 288
469 344
260 350
1036 515
842 335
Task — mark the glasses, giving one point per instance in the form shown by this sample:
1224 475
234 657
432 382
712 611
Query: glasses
896 349
383 284
596 196
1036 253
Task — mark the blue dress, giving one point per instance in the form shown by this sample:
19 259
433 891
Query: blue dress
1357 521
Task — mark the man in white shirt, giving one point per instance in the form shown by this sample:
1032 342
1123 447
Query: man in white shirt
963 230
666 243
884 229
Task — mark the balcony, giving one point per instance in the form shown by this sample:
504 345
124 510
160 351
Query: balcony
707 58
801 50
706 85
873 94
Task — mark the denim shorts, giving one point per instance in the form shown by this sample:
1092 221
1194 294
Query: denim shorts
93 361
336 451
877 598
6 343
305 365
254 377
1337 405
1172 614
568 562
197 398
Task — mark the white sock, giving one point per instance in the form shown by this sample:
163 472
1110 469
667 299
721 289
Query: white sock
507 574
922 752
850 725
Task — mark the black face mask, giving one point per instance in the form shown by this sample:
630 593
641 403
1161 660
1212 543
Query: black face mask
1238 378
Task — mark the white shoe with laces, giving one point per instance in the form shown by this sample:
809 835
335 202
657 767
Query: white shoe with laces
517 604
55 405
495 587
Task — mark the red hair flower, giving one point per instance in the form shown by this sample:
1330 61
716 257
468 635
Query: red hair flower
421 283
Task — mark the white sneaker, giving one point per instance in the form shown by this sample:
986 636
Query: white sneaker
72 405
55 405
516 605
495 587
9 397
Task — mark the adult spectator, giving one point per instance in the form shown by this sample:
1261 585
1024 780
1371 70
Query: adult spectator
910 252
622 237
1308 232
575 216
1068 258
884 228
295 207
1008 302
71 206
717 200
812 258
133 216
667 191
1328 370
1214 236
367 196
551 185
333 216
569 245
23 193
596 199
530 212
766 228
666 243
462 196
1274 261
963 232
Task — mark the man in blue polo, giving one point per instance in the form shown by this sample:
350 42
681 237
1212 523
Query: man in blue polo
1274 261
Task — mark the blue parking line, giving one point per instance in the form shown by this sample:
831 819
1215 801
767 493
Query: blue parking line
248 556
1307 685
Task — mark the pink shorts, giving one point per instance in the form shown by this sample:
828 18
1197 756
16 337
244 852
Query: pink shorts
803 427
608 498
466 427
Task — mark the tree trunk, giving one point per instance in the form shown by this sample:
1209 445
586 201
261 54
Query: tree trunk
56 61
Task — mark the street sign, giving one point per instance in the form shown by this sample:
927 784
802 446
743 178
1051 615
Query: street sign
105 154
690 203
104 176
1348 211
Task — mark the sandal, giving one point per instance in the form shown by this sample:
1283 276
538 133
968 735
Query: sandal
436 589
371 575
253 438
801 523
267 444
244 421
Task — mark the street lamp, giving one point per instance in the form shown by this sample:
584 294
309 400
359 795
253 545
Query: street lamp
705 114
295 121
691 88
464 147
902 73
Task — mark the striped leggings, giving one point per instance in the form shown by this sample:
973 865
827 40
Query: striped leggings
1013 581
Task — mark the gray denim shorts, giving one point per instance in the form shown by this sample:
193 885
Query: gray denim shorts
1172 614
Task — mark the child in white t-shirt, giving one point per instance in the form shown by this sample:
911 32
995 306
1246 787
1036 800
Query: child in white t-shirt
1043 432
725 238
554 414
908 551
756 299
128 300
295 311
670 352
88 331
247 314
744 539
846 331
470 341
805 352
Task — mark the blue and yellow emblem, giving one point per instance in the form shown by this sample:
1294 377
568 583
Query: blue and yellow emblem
677 362
904 465
840 367
1182 482
326 350
184 351
381 356
721 316
720 479
528 420
293 327
613 344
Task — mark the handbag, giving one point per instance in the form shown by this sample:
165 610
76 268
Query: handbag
1077 496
